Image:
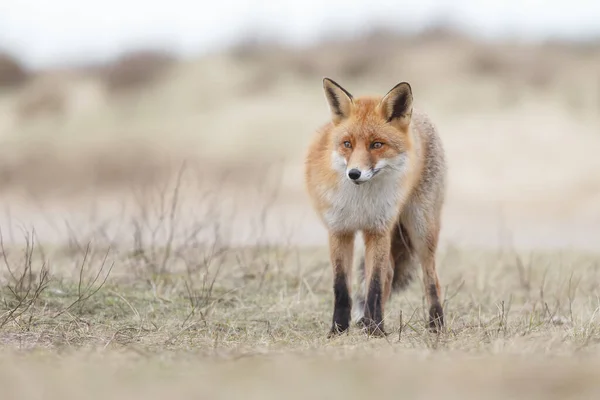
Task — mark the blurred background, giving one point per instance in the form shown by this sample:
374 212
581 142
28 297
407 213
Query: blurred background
102 99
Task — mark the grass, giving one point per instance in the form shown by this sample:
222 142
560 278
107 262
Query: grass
148 318
254 301
255 322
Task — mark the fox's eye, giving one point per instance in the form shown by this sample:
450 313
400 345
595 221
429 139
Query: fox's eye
376 145
347 144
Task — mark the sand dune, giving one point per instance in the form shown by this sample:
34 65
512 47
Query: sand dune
520 125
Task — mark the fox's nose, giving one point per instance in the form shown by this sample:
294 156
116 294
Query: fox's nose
354 174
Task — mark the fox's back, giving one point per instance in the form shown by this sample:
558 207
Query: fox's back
429 190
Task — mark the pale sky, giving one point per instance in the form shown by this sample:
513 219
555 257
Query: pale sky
50 32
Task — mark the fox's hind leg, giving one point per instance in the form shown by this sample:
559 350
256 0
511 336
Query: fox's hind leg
358 308
426 252
403 260
424 234
432 282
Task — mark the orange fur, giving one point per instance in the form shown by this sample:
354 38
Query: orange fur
378 169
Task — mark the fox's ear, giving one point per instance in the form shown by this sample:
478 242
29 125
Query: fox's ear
396 105
340 101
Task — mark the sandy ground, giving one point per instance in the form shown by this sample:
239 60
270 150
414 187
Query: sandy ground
417 377
520 126
528 177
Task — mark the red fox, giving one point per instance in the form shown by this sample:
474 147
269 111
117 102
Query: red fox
378 167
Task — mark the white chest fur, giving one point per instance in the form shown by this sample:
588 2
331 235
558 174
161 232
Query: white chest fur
372 205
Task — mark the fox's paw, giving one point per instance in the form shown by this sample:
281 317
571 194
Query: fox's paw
372 328
436 318
337 330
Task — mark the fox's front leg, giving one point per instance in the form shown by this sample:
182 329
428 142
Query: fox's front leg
341 248
377 278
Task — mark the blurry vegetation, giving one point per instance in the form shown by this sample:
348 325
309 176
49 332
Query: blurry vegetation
136 69
438 52
12 73
45 100
438 58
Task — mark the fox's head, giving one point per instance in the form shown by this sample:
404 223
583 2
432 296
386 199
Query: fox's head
370 135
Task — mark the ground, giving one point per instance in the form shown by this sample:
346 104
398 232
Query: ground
160 242
221 322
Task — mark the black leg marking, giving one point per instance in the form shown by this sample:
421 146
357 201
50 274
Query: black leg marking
342 305
436 313
373 319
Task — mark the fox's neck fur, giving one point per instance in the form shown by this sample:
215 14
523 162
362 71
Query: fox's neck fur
374 204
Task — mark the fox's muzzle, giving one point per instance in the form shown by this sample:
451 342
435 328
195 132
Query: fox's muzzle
357 176
354 174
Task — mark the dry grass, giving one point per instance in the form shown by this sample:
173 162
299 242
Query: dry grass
234 302
177 308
